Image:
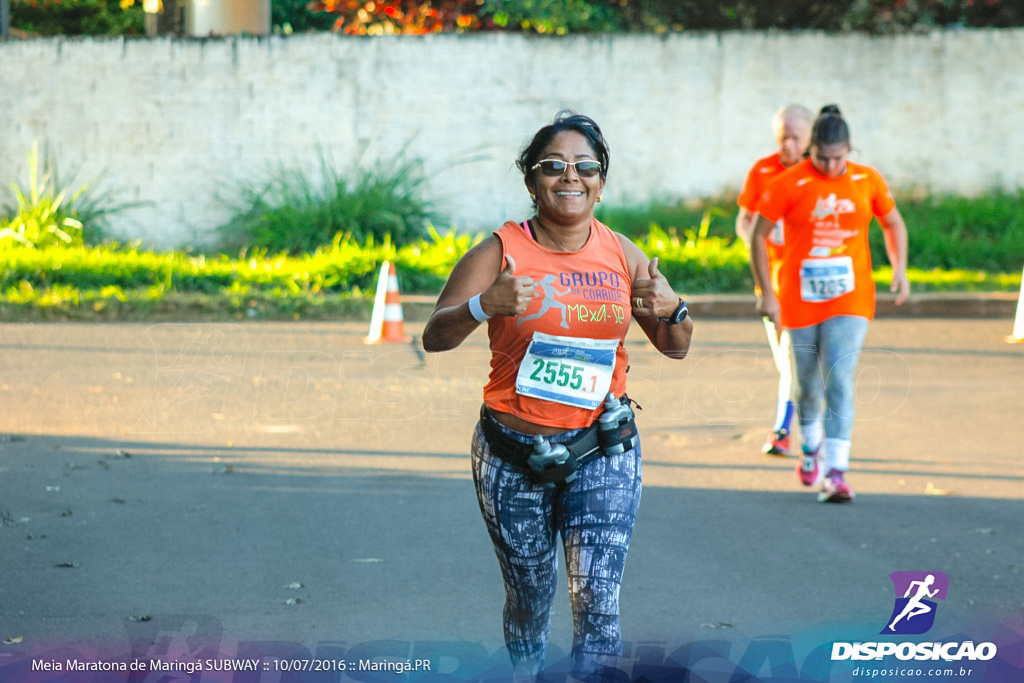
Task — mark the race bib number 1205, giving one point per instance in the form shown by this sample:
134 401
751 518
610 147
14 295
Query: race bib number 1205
825 279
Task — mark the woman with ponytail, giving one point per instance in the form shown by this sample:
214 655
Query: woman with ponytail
823 293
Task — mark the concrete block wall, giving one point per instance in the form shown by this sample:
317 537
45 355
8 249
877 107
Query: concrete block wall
179 124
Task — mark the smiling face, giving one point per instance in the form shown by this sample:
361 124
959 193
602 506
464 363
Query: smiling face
568 197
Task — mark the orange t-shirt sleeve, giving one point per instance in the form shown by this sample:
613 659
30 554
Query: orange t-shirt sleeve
881 199
751 190
760 174
772 203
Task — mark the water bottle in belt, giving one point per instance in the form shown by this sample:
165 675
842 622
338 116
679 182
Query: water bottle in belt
616 427
545 456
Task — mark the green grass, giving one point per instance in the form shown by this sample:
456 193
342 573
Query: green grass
52 278
983 233
949 281
78 282
125 283
947 232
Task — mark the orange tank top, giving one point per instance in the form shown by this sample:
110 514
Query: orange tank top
554 365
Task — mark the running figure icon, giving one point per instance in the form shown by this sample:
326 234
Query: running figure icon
915 606
549 301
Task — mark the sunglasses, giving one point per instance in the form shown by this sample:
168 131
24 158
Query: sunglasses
585 168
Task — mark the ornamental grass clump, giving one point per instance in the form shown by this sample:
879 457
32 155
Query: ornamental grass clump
46 212
294 212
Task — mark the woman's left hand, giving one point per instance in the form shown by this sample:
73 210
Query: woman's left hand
653 297
901 287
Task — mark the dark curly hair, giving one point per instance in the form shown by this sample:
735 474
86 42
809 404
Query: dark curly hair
565 120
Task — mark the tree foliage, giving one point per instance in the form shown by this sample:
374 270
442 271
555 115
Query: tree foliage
559 17
383 17
548 17
77 17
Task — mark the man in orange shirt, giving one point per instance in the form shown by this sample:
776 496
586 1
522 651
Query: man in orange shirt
823 292
791 126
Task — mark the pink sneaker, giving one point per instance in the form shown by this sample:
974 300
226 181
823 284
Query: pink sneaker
777 443
834 489
809 467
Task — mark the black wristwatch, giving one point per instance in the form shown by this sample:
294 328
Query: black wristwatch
678 315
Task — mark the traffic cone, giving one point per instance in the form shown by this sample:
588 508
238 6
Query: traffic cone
386 321
1018 324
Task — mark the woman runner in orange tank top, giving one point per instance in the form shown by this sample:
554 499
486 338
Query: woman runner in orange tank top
557 293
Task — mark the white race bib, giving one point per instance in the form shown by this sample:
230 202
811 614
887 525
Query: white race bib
569 370
824 279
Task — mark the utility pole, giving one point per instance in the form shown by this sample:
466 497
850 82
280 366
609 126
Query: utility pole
5 18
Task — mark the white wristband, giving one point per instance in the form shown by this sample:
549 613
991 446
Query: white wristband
477 311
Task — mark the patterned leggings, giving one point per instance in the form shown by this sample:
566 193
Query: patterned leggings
595 515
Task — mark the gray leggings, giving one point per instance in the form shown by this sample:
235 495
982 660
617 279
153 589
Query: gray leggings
825 356
595 515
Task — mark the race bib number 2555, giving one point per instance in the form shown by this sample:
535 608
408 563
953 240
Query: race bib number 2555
570 370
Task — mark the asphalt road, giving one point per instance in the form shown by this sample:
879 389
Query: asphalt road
229 489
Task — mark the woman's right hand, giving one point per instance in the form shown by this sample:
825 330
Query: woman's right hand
508 295
503 294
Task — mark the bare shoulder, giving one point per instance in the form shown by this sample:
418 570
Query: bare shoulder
636 259
474 272
487 254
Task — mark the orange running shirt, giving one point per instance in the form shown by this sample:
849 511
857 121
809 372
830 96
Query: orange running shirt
826 262
762 173
581 303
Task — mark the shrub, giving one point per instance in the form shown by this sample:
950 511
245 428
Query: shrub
296 16
658 16
552 17
78 17
47 212
698 263
294 213
380 17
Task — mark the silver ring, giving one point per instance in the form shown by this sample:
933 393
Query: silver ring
639 302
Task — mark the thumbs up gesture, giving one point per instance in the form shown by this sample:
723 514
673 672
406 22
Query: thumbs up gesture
652 269
653 296
508 294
